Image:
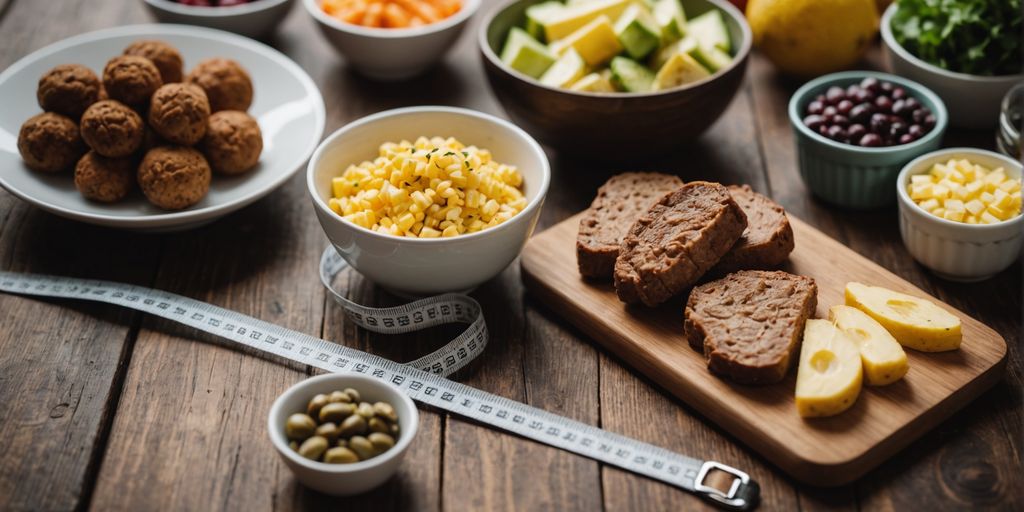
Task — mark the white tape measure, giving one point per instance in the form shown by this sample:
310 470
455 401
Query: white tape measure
423 379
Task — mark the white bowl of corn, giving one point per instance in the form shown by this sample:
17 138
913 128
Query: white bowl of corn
428 200
960 212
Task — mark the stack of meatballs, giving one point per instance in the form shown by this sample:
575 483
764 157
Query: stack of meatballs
145 122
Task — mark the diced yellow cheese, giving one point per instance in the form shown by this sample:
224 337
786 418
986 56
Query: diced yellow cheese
933 203
939 212
920 179
1010 186
923 191
974 206
971 219
940 191
955 205
988 218
998 212
955 216
960 190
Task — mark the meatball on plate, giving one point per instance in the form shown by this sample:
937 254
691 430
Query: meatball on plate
68 77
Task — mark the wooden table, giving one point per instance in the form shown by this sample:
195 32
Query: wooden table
104 408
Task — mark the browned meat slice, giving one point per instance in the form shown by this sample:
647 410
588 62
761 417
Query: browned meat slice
768 239
676 241
619 202
749 324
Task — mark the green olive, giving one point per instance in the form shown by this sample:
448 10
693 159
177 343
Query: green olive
299 426
343 443
340 455
313 448
394 429
353 425
381 442
315 404
385 410
363 447
338 396
335 412
365 410
328 430
294 445
353 394
378 425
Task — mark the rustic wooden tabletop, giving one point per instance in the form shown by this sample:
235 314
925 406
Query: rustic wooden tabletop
104 408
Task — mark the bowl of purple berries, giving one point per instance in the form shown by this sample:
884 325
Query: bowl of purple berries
250 18
855 130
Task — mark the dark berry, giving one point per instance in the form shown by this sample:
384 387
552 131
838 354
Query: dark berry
862 113
899 107
852 90
837 133
884 103
834 95
880 123
919 115
814 121
871 140
829 111
907 138
886 86
840 120
912 103
864 95
929 122
898 93
915 131
870 84
856 131
897 129
815 107
844 107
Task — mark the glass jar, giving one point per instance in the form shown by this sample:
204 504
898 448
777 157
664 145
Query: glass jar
1010 116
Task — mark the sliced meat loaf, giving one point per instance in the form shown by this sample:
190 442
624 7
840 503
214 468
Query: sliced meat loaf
768 239
676 241
749 324
619 202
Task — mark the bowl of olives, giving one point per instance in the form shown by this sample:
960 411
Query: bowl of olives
342 434
855 130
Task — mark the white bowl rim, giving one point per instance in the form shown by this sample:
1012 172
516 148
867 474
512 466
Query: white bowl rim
742 54
175 218
469 7
430 109
909 169
404 439
890 42
797 120
215 11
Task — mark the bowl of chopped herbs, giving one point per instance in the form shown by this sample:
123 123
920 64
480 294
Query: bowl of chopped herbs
967 51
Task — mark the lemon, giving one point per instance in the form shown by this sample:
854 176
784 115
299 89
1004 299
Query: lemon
812 37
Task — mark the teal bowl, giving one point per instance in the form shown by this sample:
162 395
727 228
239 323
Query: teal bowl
853 176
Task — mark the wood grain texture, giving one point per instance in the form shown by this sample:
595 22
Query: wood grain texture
828 451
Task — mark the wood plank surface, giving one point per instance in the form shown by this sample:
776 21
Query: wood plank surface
825 451
101 412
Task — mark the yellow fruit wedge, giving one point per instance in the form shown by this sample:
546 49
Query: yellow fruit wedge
914 322
680 69
571 18
884 360
596 42
830 374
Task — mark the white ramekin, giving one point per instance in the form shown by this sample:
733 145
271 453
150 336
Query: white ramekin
955 250
343 479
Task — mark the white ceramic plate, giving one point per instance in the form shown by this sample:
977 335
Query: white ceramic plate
286 103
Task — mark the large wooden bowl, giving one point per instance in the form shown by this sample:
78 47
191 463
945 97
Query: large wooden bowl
612 126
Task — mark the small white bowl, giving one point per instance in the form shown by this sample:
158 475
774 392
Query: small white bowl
973 101
343 479
392 53
415 266
955 250
253 19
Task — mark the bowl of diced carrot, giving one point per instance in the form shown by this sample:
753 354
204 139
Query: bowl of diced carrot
391 39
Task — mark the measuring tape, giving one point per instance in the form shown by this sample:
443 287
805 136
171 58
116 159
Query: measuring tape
423 379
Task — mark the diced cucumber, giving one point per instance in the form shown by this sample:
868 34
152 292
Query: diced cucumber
630 75
637 32
536 15
711 57
670 18
685 45
525 54
710 30
680 69
565 71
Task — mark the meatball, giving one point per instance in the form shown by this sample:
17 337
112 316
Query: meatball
174 177
233 142
165 57
226 83
49 142
131 79
68 90
103 179
112 129
179 113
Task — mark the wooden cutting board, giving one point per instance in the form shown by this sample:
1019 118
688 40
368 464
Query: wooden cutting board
822 451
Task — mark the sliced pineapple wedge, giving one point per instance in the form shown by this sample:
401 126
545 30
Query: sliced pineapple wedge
914 322
830 374
680 69
884 360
